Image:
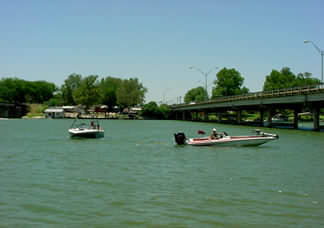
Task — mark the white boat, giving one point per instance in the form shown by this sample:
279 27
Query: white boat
82 130
226 140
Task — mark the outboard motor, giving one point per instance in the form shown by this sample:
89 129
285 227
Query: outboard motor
180 138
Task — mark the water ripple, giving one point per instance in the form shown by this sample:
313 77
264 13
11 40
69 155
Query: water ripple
141 179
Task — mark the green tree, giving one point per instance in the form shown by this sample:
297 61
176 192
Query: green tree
152 110
195 95
279 79
56 100
165 111
130 93
306 79
108 91
287 79
70 85
229 82
39 91
87 93
15 90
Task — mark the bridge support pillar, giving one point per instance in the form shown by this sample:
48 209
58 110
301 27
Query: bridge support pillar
261 117
206 115
316 115
296 111
270 115
196 116
239 116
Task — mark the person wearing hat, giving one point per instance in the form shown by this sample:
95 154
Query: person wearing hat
214 134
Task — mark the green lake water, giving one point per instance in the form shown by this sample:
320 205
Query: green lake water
136 177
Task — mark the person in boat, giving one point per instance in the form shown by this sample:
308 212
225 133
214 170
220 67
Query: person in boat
92 125
214 134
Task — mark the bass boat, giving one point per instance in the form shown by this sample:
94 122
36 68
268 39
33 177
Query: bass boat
223 139
82 130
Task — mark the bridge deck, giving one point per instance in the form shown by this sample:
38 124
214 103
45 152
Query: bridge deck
281 93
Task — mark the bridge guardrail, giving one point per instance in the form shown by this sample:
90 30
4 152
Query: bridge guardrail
264 94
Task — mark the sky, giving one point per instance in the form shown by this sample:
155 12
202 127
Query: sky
157 41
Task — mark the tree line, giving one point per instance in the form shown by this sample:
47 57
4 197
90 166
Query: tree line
76 90
18 91
229 82
110 91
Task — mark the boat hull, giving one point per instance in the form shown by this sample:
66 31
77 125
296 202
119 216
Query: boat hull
231 141
86 133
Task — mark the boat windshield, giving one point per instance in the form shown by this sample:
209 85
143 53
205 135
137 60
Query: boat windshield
77 123
80 125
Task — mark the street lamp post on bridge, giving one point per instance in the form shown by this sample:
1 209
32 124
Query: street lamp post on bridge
321 53
205 74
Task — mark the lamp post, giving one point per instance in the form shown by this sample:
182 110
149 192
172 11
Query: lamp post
163 95
321 53
205 74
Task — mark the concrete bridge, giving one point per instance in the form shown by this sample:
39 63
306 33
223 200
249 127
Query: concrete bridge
298 99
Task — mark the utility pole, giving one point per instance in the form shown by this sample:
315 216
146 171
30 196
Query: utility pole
321 53
205 74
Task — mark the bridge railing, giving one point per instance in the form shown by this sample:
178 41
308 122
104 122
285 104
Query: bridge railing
264 94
